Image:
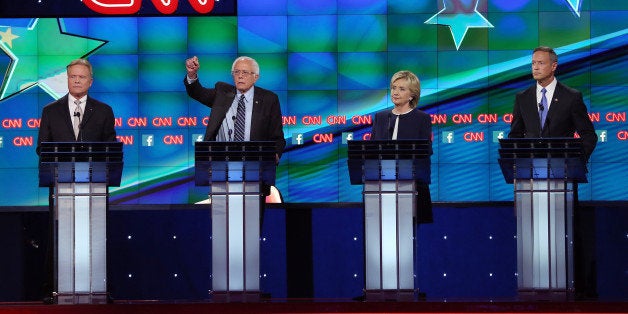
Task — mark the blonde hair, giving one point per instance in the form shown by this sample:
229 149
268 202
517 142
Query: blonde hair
81 62
413 84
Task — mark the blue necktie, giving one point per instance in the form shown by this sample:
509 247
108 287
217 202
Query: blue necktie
543 108
238 134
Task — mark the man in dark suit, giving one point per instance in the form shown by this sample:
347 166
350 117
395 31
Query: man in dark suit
73 117
563 109
76 116
261 110
564 112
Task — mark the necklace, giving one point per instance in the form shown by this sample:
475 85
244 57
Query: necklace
396 112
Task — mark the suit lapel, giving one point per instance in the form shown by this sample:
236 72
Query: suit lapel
256 113
533 109
88 112
554 104
63 104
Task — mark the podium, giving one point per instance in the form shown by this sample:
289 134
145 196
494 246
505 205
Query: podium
236 173
80 174
389 171
545 173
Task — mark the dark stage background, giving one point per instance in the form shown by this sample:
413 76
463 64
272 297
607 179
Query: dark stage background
310 251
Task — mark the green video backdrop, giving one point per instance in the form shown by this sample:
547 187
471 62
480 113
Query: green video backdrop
330 62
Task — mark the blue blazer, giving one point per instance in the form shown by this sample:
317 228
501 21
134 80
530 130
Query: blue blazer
413 125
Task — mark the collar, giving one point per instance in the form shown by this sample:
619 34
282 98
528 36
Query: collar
549 88
248 95
71 104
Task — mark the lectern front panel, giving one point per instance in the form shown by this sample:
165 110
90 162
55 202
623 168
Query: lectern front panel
544 235
389 251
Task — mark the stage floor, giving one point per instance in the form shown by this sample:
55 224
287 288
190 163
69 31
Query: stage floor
321 306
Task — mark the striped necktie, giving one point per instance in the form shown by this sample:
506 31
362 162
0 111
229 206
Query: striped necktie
238 132
76 123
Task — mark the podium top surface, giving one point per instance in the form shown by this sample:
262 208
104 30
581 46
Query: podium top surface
389 149
540 148
389 160
542 159
235 151
234 161
94 162
53 152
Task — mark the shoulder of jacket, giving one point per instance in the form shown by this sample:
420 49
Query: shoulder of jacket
223 86
560 86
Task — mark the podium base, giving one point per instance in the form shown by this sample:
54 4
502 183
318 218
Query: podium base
235 296
534 295
403 295
80 298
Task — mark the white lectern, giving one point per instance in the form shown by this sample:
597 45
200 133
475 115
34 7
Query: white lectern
80 173
389 171
237 173
545 173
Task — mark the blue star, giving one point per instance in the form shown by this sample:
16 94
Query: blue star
459 20
575 6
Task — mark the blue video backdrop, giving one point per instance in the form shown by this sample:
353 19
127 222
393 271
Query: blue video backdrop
330 62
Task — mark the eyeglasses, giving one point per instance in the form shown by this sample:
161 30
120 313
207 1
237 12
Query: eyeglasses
244 73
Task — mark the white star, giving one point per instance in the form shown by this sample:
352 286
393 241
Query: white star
575 6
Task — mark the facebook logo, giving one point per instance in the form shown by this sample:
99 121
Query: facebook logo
347 136
198 137
498 135
148 140
297 139
448 137
602 135
1 142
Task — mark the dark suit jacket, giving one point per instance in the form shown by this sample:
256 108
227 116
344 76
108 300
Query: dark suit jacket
97 123
567 114
266 122
413 125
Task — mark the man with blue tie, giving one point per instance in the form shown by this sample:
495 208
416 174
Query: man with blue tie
240 112
551 109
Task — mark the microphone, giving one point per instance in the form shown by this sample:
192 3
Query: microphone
77 114
541 107
230 132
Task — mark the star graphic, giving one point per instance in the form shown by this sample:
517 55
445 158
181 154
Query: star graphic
575 6
7 37
459 20
39 54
